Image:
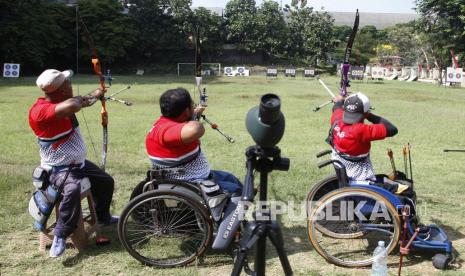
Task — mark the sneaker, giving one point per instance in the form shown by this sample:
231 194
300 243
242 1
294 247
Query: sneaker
111 220
58 247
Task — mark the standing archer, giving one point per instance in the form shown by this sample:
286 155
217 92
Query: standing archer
53 120
350 137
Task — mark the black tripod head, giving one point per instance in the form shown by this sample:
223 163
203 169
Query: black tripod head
265 124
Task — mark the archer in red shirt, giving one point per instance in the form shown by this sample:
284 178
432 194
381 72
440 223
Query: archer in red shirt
61 146
351 137
174 142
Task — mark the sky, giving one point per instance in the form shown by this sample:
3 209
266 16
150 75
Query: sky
382 6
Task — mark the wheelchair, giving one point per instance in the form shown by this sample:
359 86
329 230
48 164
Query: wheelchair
166 222
346 219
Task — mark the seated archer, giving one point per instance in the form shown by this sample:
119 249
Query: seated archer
350 138
174 142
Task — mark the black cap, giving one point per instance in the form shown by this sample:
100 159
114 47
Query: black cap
355 107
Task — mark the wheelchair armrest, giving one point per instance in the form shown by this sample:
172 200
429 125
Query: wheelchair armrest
323 153
341 173
324 163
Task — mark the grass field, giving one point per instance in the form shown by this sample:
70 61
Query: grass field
430 117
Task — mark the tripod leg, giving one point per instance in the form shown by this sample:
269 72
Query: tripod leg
276 238
260 256
251 236
239 262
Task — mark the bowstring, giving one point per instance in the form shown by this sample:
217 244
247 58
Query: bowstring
77 84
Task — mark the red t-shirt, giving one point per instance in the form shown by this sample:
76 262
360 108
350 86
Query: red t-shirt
60 142
355 139
164 141
44 123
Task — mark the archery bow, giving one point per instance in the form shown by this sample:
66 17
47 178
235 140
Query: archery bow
344 68
98 71
202 91
346 65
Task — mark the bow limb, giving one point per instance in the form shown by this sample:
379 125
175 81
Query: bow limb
348 51
198 70
202 92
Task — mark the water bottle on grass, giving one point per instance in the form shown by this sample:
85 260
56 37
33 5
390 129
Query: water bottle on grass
379 266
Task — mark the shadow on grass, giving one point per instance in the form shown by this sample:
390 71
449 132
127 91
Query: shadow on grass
453 233
95 250
295 241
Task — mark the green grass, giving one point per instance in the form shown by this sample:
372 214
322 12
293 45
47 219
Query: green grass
430 117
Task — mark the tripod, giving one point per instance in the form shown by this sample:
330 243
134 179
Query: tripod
264 160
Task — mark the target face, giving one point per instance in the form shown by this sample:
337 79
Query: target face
272 72
454 74
310 72
228 70
11 70
377 72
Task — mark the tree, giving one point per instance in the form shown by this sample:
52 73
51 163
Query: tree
112 31
310 33
444 18
405 40
211 26
364 48
443 26
31 34
272 29
157 26
241 25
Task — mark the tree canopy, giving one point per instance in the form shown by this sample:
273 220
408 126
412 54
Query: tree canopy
42 33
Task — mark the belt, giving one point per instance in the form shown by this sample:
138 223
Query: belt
349 157
57 169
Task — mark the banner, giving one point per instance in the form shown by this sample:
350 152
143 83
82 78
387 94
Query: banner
356 72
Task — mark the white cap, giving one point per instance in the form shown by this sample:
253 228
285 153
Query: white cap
381 243
51 79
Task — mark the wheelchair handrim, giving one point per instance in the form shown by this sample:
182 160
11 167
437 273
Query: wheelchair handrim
340 193
165 196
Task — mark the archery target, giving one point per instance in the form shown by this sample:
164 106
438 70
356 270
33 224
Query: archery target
309 72
271 72
11 70
377 72
229 71
289 72
241 71
454 74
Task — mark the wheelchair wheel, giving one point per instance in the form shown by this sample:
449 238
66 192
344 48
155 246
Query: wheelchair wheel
165 227
356 219
319 190
322 188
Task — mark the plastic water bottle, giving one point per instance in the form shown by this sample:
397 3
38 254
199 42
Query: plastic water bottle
379 266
